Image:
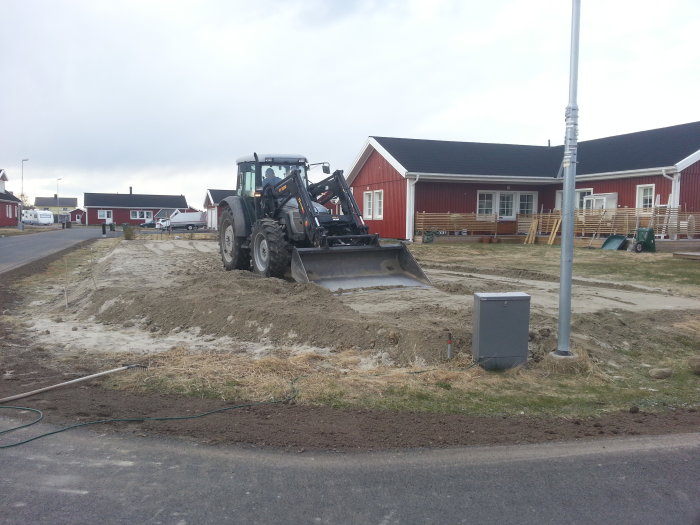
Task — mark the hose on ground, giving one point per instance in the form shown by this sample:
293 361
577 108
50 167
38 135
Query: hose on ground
293 394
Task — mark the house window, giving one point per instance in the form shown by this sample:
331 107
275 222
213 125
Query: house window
579 200
141 214
645 196
507 207
367 205
526 203
104 214
485 204
373 205
378 205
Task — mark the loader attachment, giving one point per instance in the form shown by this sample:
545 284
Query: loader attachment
352 267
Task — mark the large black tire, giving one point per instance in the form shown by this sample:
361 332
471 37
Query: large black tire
271 254
639 247
233 255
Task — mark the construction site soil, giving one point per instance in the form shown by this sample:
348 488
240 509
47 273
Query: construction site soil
143 298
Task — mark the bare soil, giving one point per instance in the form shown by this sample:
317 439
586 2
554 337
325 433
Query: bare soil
141 298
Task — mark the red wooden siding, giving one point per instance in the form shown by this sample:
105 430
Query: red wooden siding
378 174
461 197
8 213
119 215
626 189
690 188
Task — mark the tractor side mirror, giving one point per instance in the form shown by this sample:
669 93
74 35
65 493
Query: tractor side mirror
326 169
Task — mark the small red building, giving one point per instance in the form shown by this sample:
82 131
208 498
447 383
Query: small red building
130 208
211 206
77 216
393 178
9 204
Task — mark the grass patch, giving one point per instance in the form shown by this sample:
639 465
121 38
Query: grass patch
578 387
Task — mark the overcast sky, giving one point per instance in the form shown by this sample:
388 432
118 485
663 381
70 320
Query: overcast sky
164 95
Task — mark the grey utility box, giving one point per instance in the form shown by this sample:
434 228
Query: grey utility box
501 329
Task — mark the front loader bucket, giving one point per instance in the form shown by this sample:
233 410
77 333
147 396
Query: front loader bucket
351 267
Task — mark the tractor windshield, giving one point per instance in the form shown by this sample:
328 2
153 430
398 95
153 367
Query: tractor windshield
281 171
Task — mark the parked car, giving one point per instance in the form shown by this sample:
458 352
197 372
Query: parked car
149 224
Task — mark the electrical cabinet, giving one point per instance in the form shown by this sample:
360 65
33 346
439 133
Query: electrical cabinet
501 327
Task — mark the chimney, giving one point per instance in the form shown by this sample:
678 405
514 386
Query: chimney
130 192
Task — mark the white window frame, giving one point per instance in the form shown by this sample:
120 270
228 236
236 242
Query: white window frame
496 202
378 205
528 194
501 199
478 202
581 193
373 205
640 196
367 205
104 215
141 214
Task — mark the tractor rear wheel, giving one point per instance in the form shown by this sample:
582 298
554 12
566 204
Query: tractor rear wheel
234 256
270 251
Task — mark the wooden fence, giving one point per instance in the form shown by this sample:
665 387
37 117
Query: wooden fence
667 222
464 223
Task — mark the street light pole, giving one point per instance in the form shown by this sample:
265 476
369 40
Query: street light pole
58 207
22 191
20 224
569 196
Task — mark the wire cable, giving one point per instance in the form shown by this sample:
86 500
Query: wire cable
294 393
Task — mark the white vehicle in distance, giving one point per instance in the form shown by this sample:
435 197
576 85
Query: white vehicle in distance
183 220
38 217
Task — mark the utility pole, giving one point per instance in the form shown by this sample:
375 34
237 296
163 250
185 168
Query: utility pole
569 197
20 224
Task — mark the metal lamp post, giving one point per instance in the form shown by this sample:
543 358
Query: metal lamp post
20 224
58 207
569 197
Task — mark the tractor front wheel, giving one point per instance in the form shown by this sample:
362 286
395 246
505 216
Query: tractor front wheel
233 255
270 251
639 247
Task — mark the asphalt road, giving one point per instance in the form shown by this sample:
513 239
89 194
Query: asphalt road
17 250
83 476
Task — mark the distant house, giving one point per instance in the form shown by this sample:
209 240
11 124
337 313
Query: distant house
130 208
393 178
77 216
211 205
9 204
59 206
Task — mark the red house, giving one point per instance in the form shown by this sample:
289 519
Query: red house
130 208
9 204
393 178
211 205
77 216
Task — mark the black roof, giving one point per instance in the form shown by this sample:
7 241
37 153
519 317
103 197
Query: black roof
133 200
219 195
473 158
68 202
8 197
655 148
